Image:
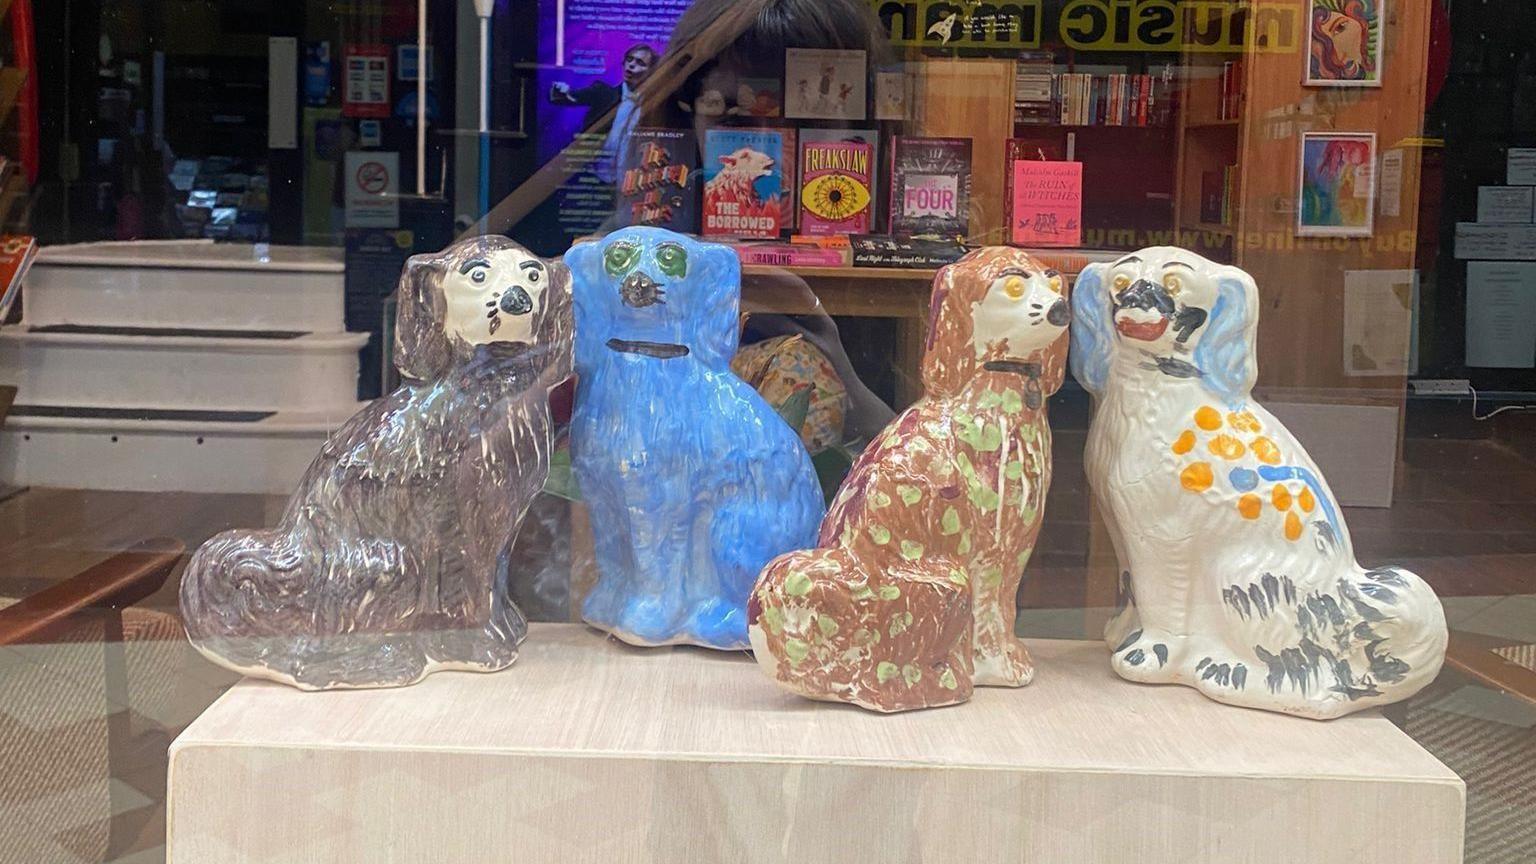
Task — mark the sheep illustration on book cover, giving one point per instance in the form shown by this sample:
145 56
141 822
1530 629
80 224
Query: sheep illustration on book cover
749 183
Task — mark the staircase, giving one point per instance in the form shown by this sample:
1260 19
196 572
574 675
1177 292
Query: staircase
176 366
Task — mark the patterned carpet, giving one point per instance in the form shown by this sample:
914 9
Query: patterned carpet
1496 758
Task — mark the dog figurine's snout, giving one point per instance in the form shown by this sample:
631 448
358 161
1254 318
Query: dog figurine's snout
640 291
1143 294
1060 314
515 301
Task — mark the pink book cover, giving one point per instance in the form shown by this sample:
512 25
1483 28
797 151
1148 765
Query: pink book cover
1047 204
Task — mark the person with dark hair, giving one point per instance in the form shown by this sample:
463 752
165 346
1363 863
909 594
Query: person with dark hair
600 97
757 51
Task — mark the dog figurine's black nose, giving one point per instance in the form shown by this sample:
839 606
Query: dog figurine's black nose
1143 294
640 291
515 301
1060 314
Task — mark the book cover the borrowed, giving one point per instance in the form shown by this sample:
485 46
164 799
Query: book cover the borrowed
835 196
746 193
930 186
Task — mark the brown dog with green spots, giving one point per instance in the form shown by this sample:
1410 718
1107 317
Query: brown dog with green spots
909 599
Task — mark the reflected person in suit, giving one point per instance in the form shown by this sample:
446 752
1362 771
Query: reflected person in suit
600 97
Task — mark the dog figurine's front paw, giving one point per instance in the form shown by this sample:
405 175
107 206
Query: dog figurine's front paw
719 624
1148 656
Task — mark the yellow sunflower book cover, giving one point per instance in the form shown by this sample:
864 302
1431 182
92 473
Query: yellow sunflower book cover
836 183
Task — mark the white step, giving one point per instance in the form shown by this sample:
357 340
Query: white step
187 283
303 372
265 456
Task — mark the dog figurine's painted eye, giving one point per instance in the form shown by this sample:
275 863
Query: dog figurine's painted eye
1054 280
533 276
673 260
1173 283
1121 282
620 258
477 277
1014 286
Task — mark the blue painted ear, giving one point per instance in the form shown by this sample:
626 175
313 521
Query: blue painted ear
1225 354
1093 338
588 288
717 273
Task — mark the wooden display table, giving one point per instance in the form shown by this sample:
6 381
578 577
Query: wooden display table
587 750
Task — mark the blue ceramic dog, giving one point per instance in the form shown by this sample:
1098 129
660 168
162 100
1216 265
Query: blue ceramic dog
693 482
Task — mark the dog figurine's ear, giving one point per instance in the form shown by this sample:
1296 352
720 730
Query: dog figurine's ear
590 296
945 366
718 273
422 352
1093 325
557 325
1053 357
1225 355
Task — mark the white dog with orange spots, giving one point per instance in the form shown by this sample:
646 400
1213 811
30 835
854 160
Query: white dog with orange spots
1237 572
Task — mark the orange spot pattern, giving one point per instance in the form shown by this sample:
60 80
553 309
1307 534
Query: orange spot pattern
1265 450
1199 476
1243 421
1196 477
1227 447
1292 527
1185 443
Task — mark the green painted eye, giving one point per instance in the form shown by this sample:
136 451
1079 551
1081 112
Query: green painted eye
673 260
620 258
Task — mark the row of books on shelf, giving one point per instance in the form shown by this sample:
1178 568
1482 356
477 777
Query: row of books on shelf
1117 99
764 183
761 184
1218 192
1044 94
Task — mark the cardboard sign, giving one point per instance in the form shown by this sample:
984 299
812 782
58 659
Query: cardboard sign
365 88
1047 206
373 189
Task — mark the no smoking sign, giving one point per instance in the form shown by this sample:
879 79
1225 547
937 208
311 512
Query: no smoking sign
373 199
373 178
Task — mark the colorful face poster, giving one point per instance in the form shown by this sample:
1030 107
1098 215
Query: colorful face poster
1338 184
1344 43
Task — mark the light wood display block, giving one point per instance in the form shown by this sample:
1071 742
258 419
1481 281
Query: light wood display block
588 750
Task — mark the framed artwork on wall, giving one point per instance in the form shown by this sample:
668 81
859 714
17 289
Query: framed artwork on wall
1337 194
1344 43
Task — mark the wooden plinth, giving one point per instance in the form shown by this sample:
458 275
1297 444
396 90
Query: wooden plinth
587 750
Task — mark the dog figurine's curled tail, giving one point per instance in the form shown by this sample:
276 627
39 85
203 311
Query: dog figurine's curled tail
390 561
1237 573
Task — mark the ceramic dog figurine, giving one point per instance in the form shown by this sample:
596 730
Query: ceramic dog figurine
910 598
1238 577
692 480
390 561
